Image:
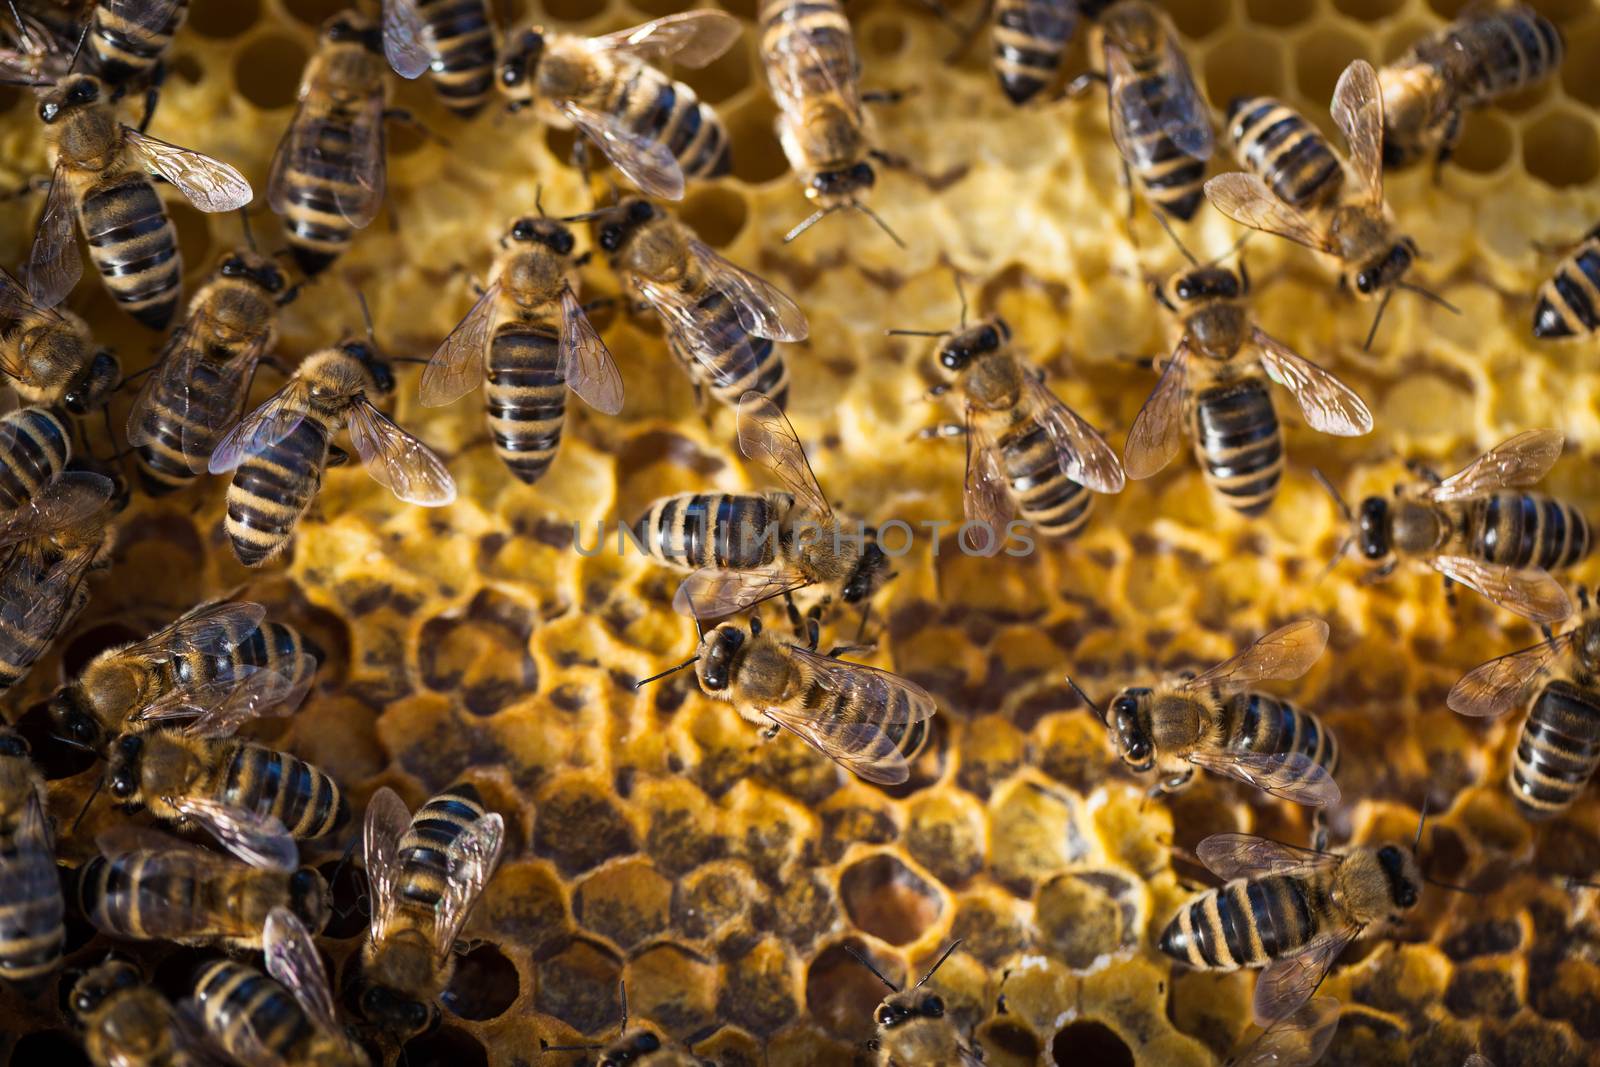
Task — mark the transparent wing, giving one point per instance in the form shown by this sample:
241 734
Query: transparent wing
15 300
69 498
1157 430
49 584
648 164
1297 1040
262 428
1287 652
1531 593
986 496
586 361
693 38
209 629
1245 199
766 437
151 14
472 864
171 375
54 264
142 864
1496 687
1230 856
259 840
1512 464
860 747
1168 103
292 959
209 184
219 706
796 69
398 461
881 696
1290 775
1286 985
457 366
1358 112
404 38
1328 405
715 593
387 820
202 395
763 309
360 169
28 868
1081 452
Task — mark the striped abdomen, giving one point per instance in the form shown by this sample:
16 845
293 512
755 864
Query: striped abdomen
240 1006
1030 38
1569 303
271 490
1264 725
124 45
269 782
1239 443
742 361
1496 53
1247 922
461 40
33 449
179 432
1172 178
526 397
808 46
271 646
1046 498
1285 151
669 113
693 530
121 897
317 229
836 710
1558 750
427 850
134 246
1526 530
24 581
31 910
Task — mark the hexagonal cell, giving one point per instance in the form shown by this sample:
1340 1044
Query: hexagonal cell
1279 13
1089 1041
267 70
1244 64
1319 59
806 909
715 214
627 902
1487 143
580 826
757 156
1561 148
841 994
1577 70
482 654
484 986
579 986
525 905
715 900
1086 916
947 835
1034 832
759 989
674 987
1368 10
223 20
886 899
1008 1043
724 77
446 1045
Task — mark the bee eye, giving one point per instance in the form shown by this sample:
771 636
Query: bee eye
610 237
647 1043
1185 291
641 211
83 92
83 1002
511 74
1364 282
988 340
13 746
862 174
932 1006
884 1016
49 111
232 268
522 231
562 242
273 279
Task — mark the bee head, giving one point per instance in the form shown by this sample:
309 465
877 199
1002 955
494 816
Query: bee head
377 368
1372 528
74 722
351 27
718 650
831 187
613 228
91 991
903 1007
869 575
93 388
1382 273
548 232
70 93
243 263
396 1013
122 776
1403 876
1202 284
628 1050
519 60
1127 717
966 345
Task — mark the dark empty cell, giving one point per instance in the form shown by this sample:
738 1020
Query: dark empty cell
757 156
1090 1044
445 1047
887 900
1486 143
223 20
579 986
349 892
93 641
484 986
1012 1041
723 77
716 215
1583 58
1484 939
1243 65
267 71
841 993
1319 61
1561 149
1482 991
53 758
1279 12
55 1047
579 827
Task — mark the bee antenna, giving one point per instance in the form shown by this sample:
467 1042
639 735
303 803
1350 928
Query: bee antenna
670 670
249 234
868 965
79 47
1429 295
538 200
961 291
884 226
1373 331
810 221
1338 499
543 1048
1099 712
916 333
1453 887
1422 818
937 963
98 783
583 216
1167 226
622 990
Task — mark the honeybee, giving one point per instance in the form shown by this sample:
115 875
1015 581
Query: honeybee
869 721
1224 399
283 447
427 871
1307 201
743 548
147 886
100 180
532 335
281 1021
913 1028
1476 529
1214 721
656 131
1559 746
1290 910
49 355
1029 40
1567 301
203 376
219 663
127 1023
34 448
1480 57
453 40
1297 1040
720 320
31 908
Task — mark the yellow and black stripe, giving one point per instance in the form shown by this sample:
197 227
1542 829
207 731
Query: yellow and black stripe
1264 725
268 782
27 578
1248 922
124 45
1239 443
1498 52
316 228
669 113
134 246
1285 151
427 850
737 531
1172 178
239 1006
1527 530
34 448
743 361
1046 498
31 909
526 397
272 489
1558 749
461 41
1029 39
1569 302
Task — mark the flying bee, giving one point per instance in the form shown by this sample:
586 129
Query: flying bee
31 908
128 1023
743 548
530 338
720 321
283 447
1355 229
1477 528
1297 1040
1559 681
1213 721
1223 398
453 40
34 448
204 373
1482 56
656 131
101 181
912 1027
219 662
427 871
1569 301
278 1021
49 355
869 721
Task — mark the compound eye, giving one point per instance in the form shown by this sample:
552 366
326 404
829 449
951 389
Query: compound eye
1139 751
647 1043
511 74
884 1016
561 242
83 92
13 746
862 173
932 1006
49 111
1364 282
641 211
1185 291
610 237
232 268
416 1016
522 231
988 339
126 979
122 786
83 1002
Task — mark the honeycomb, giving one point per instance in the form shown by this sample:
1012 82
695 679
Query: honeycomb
654 843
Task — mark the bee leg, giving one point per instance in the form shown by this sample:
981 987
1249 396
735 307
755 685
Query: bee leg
337 457
1421 470
152 93
1319 831
1082 84
405 118
1447 146
794 615
947 429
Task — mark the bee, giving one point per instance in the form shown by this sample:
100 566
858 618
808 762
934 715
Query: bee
1224 399
912 1027
532 335
744 548
219 662
427 871
127 1023
1297 188
282 448
453 40
1477 59
637 1048
1569 302
49 356
1477 528
720 320
1290 910
281 1020
656 131
34 448
204 373
1559 680
100 181
1297 1040
31 907
869 721
147 886
1029 40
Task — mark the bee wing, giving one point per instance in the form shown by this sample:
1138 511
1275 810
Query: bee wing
648 164
1179 110
386 822
209 184
767 437
1358 112
1531 593
1245 199
860 747
1496 687
68 498
456 368
1512 464
763 308
174 369
15 300
1328 405
264 427
218 707
54 263
715 592
1230 856
796 63
986 495
293 960
586 361
398 461
151 15
404 38
364 167
214 628
1081 452
259 840
1286 984
1158 428
902 701
472 864
140 864
693 38
1290 775
1297 1040
1287 652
